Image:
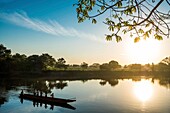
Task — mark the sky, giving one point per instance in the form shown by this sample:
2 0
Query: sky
42 26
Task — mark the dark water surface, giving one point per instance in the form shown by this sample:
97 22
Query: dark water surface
92 96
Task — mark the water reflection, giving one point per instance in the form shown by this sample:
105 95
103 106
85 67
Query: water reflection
94 94
143 90
165 82
112 82
51 105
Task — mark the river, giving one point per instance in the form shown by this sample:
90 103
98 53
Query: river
92 96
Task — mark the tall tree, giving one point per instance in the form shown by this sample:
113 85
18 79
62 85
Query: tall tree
4 52
84 65
61 63
105 66
114 64
5 59
47 61
138 18
19 62
164 65
34 63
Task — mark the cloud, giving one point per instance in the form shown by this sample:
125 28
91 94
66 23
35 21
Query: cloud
51 27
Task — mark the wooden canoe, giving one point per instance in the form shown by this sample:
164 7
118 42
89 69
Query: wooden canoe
45 99
48 100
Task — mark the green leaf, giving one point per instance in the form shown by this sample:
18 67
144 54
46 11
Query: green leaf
134 9
118 38
78 10
85 13
130 27
124 31
94 21
134 22
118 26
158 37
137 39
111 28
80 20
126 23
150 31
146 35
157 29
140 31
108 37
147 25
107 19
102 7
92 3
119 4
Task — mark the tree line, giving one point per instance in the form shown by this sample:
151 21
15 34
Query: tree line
45 62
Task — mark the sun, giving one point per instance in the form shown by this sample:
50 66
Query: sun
144 51
143 90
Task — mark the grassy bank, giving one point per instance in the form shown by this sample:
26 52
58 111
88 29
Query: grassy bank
79 75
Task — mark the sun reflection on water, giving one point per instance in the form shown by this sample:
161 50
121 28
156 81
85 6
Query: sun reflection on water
143 90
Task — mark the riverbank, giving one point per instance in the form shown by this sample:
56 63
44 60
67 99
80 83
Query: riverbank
79 75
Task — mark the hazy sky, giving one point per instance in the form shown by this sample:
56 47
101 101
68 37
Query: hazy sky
43 26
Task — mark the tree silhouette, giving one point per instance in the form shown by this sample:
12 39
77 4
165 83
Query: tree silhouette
5 59
47 62
138 18
84 65
4 52
19 62
164 65
61 63
105 66
33 63
114 64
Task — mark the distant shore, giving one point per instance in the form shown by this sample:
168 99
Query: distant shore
79 75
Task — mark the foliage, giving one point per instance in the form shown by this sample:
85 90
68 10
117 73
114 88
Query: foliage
94 66
61 63
112 65
84 65
19 62
47 61
164 65
5 58
44 62
166 61
34 63
138 18
135 67
105 66
4 52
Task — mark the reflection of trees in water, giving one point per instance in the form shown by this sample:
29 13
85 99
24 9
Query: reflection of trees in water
58 84
4 88
112 82
84 80
2 100
29 85
136 79
40 86
103 82
165 82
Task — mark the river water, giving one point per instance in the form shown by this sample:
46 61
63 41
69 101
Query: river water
92 96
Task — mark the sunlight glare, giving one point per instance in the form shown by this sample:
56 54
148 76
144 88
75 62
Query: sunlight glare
143 90
144 51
